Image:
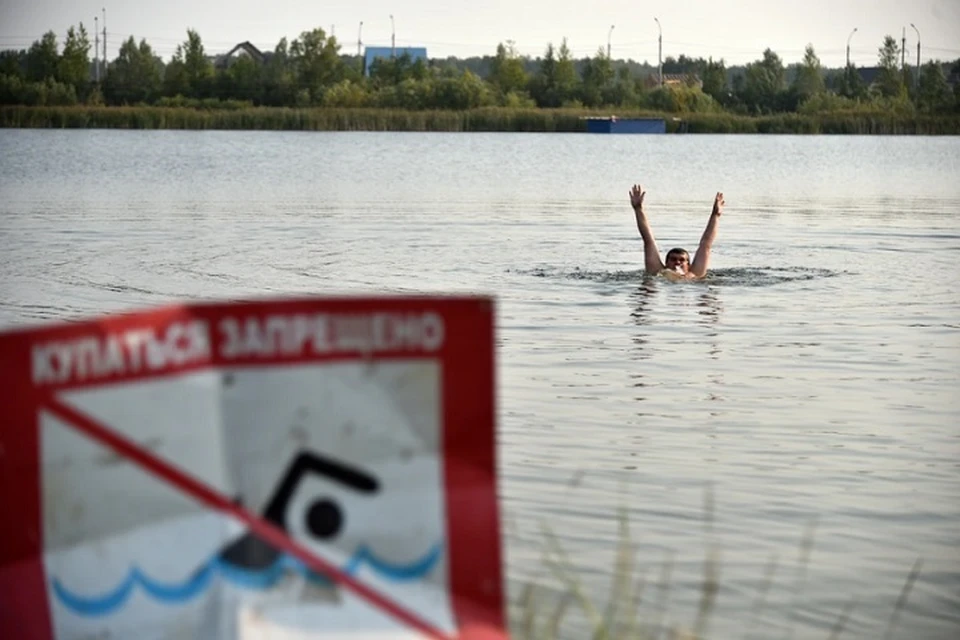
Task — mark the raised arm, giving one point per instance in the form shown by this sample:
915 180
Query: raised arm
651 254
702 259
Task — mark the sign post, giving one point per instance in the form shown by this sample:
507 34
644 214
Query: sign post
290 468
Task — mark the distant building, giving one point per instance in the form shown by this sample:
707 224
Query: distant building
244 49
868 75
674 80
372 53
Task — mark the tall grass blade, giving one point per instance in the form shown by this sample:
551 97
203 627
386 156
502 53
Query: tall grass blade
760 602
622 580
841 623
806 546
902 600
561 571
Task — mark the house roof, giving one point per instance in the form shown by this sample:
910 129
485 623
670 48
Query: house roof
248 48
868 74
668 78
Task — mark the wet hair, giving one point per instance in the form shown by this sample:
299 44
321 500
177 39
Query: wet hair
677 250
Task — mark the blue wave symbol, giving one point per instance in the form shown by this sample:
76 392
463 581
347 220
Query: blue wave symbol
259 579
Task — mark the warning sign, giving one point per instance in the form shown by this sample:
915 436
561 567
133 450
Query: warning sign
277 468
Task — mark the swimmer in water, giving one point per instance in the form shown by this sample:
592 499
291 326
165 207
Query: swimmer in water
678 266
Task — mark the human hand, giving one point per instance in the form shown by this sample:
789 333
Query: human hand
636 197
718 203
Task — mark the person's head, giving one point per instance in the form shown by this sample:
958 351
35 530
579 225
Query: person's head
678 258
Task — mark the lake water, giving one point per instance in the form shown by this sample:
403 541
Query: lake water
809 387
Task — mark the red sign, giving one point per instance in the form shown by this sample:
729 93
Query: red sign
283 467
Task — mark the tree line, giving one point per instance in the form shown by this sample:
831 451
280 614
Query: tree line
311 71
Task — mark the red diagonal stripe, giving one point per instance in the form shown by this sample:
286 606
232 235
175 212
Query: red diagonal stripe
201 492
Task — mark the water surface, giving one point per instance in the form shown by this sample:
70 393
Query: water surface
808 389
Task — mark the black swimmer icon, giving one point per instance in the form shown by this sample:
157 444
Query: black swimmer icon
324 518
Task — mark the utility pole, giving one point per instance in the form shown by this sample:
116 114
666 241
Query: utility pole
917 79
359 38
903 49
393 38
609 33
106 63
96 50
660 52
848 45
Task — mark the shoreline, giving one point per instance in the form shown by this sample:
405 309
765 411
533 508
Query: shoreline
488 119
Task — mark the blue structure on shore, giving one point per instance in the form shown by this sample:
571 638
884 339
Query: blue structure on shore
372 53
626 125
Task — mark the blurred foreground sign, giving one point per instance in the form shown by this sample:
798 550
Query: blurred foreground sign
309 468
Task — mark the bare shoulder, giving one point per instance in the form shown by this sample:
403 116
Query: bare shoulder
673 276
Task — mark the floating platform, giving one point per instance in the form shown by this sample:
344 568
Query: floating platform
614 124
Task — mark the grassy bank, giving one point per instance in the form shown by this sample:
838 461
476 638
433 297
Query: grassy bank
486 119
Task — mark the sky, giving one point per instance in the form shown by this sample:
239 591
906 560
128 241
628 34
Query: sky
736 31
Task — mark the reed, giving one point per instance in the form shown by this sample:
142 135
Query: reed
534 618
238 116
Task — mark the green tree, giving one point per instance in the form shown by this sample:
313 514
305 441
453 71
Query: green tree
809 79
347 93
597 77
851 84
681 65
279 81
566 73
764 81
468 91
175 81
506 70
13 63
43 58
135 75
954 71
189 73
890 80
316 62
392 71
626 90
542 84
73 68
714 76
933 93
556 79
241 80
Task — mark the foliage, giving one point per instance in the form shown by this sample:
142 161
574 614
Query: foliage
890 81
933 94
393 71
15 90
135 76
13 63
507 74
316 63
187 113
73 68
714 76
827 102
556 81
681 100
851 84
43 58
347 94
597 79
310 72
809 79
764 82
